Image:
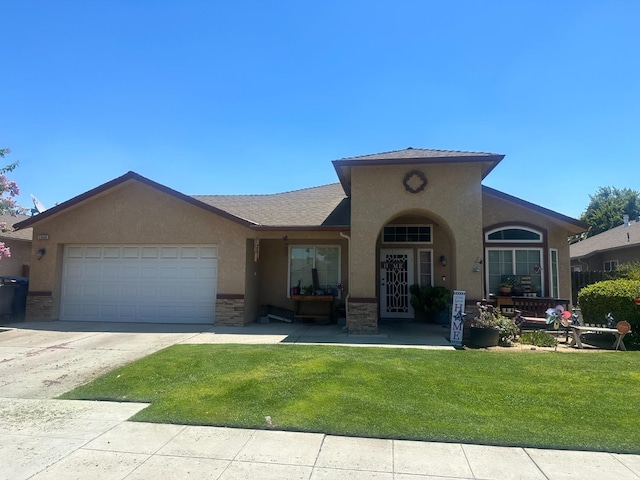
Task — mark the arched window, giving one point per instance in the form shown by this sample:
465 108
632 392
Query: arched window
514 234
514 256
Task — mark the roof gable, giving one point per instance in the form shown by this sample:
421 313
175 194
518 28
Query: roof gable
129 176
573 225
410 156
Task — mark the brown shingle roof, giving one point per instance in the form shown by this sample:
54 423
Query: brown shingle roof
25 234
420 153
412 156
326 205
613 239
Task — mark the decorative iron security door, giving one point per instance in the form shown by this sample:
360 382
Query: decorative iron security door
396 275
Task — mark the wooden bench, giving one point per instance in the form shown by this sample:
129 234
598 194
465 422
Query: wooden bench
537 307
618 334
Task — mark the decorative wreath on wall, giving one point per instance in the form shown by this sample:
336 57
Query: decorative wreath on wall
414 181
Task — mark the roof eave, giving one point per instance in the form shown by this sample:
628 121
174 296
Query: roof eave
579 225
604 250
299 228
343 166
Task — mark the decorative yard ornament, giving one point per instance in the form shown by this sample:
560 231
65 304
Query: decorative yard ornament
457 317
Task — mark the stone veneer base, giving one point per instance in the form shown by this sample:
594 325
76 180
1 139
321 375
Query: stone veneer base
39 308
230 312
362 317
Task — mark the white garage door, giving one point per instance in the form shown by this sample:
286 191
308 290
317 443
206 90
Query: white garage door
139 283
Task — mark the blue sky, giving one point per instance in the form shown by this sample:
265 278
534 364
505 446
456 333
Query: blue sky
238 96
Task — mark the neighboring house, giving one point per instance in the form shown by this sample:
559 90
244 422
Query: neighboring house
135 250
19 242
607 250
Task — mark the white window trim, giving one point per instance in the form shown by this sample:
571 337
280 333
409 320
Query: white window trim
611 263
554 279
409 225
513 227
418 262
314 246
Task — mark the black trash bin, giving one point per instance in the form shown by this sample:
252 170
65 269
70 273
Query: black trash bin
13 298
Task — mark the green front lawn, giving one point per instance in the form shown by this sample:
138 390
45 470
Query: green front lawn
555 400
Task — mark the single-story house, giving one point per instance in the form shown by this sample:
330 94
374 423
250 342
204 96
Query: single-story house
607 250
136 250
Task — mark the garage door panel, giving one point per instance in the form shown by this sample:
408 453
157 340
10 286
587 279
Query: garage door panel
111 272
130 252
148 283
93 252
111 252
89 310
207 273
169 252
189 252
169 272
129 272
209 252
150 252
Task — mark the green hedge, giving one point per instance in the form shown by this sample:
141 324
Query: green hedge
617 297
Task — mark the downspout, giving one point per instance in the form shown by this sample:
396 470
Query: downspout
346 299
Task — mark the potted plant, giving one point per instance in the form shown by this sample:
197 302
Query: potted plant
490 328
431 301
505 289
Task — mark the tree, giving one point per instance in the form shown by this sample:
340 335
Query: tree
607 207
8 191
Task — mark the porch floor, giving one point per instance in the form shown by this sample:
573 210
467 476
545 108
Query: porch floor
396 334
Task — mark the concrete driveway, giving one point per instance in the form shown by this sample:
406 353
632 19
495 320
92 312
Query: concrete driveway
44 360
42 438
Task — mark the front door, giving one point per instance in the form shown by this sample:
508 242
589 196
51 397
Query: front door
396 275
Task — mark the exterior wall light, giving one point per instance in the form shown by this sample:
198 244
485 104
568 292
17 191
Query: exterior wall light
443 260
40 253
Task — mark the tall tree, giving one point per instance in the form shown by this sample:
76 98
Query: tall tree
608 206
8 191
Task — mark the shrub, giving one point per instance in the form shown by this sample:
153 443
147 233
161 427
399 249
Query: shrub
617 297
429 299
508 329
539 338
629 271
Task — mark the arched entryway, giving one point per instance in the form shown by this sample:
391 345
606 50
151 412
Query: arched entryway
412 248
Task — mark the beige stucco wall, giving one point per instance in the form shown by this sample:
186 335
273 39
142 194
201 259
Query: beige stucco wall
136 213
452 198
20 256
497 211
273 266
252 283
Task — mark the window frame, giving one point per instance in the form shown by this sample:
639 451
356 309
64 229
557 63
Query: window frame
314 246
427 225
554 273
513 227
611 263
513 250
419 264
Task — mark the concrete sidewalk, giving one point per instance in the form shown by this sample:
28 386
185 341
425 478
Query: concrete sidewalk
42 438
69 439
